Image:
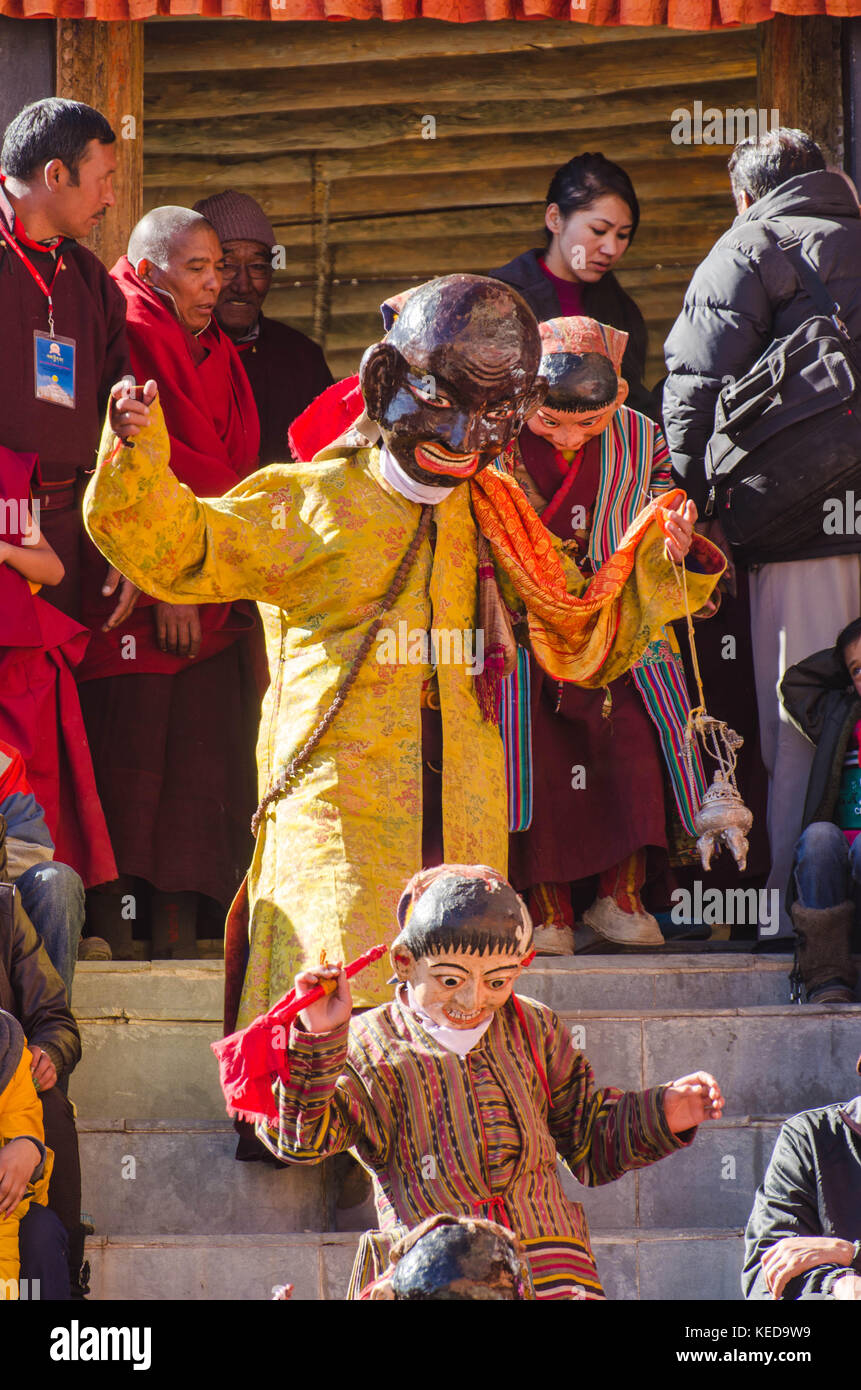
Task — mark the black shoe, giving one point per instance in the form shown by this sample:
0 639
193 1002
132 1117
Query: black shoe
79 1284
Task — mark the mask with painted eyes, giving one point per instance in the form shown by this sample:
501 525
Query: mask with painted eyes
455 378
465 937
584 392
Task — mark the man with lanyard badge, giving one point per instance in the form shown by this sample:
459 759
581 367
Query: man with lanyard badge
63 319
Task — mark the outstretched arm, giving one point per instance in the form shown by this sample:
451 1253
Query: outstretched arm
178 547
603 1134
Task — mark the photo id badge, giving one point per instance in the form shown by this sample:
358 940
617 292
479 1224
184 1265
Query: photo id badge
54 369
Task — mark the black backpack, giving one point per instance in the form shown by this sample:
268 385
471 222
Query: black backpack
787 435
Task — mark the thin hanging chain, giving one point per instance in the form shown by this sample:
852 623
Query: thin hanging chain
683 586
289 771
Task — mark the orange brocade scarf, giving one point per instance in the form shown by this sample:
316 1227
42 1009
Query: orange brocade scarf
574 634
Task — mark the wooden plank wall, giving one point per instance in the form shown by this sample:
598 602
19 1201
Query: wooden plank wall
323 124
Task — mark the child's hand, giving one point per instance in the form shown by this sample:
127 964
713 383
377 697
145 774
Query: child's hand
129 415
679 530
690 1100
19 1159
43 1069
329 1013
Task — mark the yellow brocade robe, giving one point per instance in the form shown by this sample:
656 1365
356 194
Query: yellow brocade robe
317 546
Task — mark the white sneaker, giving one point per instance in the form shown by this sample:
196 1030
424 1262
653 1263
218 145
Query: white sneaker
625 928
553 941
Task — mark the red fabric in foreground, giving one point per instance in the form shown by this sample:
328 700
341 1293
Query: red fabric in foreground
249 1061
40 714
326 418
674 14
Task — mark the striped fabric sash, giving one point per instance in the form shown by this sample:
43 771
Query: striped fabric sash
660 678
515 723
635 463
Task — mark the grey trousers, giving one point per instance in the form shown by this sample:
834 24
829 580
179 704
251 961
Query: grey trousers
796 608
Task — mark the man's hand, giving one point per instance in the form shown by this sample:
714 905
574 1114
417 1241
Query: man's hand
177 628
127 597
690 1100
43 1069
679 529
794 1255
19 1159
329 1013
129 408
848 1286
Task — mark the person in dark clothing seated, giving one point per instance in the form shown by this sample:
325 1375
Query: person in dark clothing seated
29 1231
590 221
33 993
822 697
286 370
803 1239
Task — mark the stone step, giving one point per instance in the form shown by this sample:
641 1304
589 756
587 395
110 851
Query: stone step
668 1264
657 981
769 1059
178 1177
710 1185
191 991
172 1177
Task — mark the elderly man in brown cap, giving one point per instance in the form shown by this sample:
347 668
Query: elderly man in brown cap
286 370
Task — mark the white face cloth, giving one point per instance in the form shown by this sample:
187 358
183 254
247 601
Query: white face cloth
459 1040
407 486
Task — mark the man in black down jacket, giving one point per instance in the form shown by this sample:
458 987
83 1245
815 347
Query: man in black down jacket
743 296
803 1239
33 993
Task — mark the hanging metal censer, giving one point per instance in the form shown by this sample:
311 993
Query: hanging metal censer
722 819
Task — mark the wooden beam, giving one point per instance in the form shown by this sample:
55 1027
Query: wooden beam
353 198
801 77
345 130
456 155
423 259
101 64
565 73
195 47
294 302
524 220
356 331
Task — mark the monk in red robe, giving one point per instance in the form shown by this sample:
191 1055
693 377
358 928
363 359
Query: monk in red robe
40 713
171 697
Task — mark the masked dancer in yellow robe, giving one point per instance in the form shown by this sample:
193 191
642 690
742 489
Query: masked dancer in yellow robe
378 530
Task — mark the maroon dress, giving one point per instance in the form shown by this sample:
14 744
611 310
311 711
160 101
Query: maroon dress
598 782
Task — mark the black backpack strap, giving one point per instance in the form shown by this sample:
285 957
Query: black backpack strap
791 246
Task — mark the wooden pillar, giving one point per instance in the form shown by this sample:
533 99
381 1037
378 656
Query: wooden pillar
852 94
27 65
101 63
800 75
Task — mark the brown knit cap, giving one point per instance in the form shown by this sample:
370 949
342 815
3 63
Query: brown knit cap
236 217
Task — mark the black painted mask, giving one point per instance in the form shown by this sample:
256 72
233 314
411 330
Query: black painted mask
455 379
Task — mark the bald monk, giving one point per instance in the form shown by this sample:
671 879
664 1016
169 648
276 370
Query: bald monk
169 696
381 524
